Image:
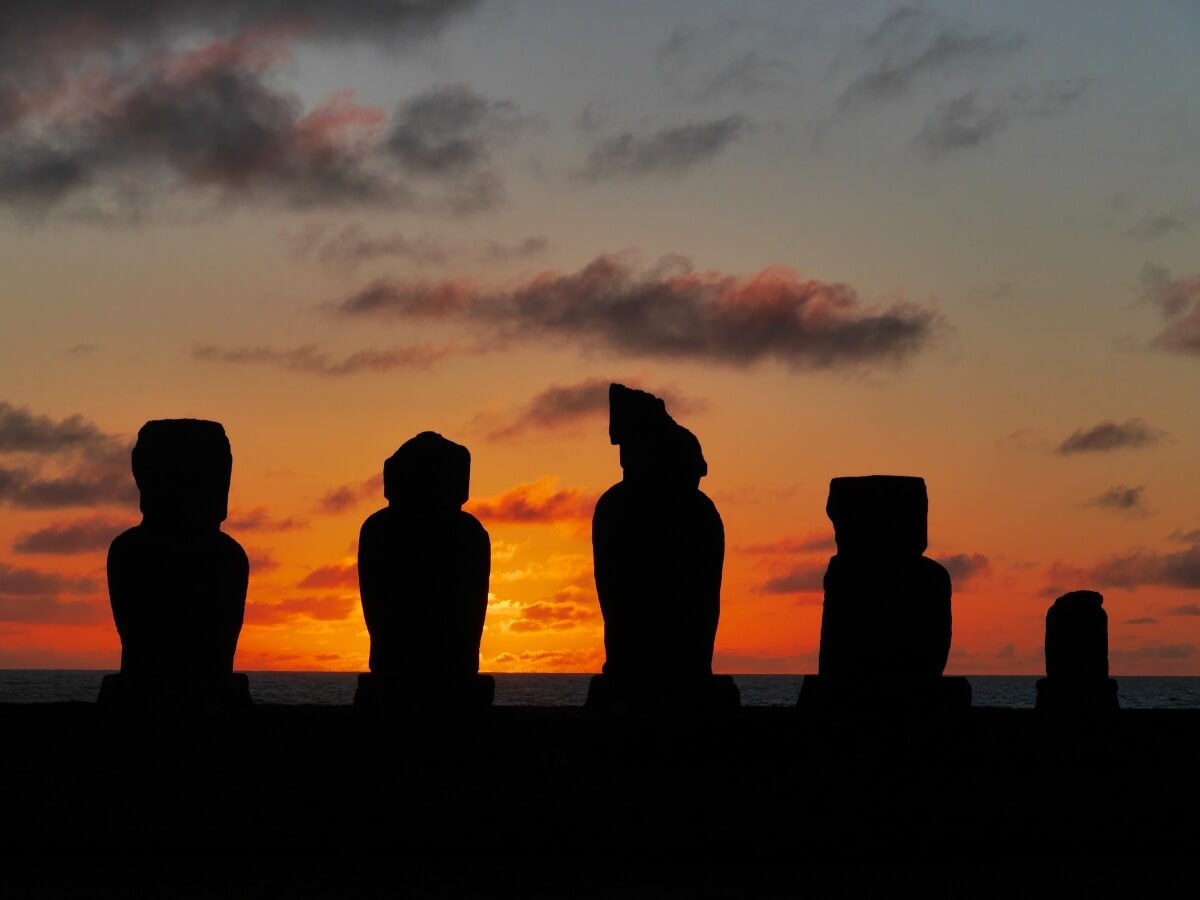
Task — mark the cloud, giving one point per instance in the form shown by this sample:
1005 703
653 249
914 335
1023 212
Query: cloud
551 616
329 608
673 312
965 121
802 579
535 503
909 44
347 496
705 64
76 536
52 611
965 567
261 560
1141 620
1187 609
29 582
1157 225
61 463
667 151
1185 537
1110 436
1123 500
562 661
815 542
569 404
308 359
353 245
1178 299
331 576
260 519
1137 568
1154 651
749 663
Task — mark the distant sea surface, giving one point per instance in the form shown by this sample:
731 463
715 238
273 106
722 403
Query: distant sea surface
337 688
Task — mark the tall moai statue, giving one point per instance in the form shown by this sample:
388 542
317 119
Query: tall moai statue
176 582
423 570
659 548
1077 657
886 621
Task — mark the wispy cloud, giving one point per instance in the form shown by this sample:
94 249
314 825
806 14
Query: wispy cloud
1123 500
331 576
676 313
260 519
709 63
536 503
313 361
75 536
1109 435
347 496
1178 299
667 151
329 608
1137 568
968 120
353 244
966 568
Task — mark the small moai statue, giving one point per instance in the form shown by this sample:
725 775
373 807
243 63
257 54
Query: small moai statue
423 569
176 582
1077 657
659 548
886 621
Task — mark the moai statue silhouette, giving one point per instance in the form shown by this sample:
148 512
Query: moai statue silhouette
176 582
423 570
1077 657
886 621
659 548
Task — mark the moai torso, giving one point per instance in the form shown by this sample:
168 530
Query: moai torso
176 583
424 565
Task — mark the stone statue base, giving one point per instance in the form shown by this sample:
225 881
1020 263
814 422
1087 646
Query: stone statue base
413 695
1059 696
209 694
707 692
892 694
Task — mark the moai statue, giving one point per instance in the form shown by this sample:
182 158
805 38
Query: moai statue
423 570
886 624
659 548
176 582
1077 657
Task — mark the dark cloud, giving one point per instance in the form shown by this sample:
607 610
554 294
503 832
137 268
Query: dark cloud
1154 651
310 360
450 131
261 560
1158 225
680 314
1178 299
806 578
52 611
704 64
910 44
260 519
747 663
667 151
331 576
818 542
61 463
1141 620
1187 609
1143 567
1111 436
330 608
562 405
1185 537
29 582
78 536
535 503
353 245
1123 500
552 616
965 567
347 496
966 121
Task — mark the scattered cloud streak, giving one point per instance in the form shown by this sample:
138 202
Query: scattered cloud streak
1178 299
329 608
260 519
77 536
1138 568
332 576
1125 501
353 245
967 121
313 361
1107 436
30 582
664 152
965 568
708 63
675 314
536 503
347 496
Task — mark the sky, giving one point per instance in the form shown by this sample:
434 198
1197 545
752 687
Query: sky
950 240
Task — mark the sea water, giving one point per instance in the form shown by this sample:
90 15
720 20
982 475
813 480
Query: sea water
337 688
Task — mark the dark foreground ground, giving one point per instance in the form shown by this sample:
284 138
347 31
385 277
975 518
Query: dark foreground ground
325 801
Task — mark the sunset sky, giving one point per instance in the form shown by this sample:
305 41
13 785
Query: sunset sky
951 240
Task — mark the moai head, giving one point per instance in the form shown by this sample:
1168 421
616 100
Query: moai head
879 514
182 468
655 449
1077 637
428 472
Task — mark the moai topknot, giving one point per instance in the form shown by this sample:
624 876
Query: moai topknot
1077 657
659 548
886 624
423 570
176 582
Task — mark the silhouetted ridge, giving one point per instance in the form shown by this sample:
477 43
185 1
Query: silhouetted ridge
423 571
1077 657
886 622
176 583
659 549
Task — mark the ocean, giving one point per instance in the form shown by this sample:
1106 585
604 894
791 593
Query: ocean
337 688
